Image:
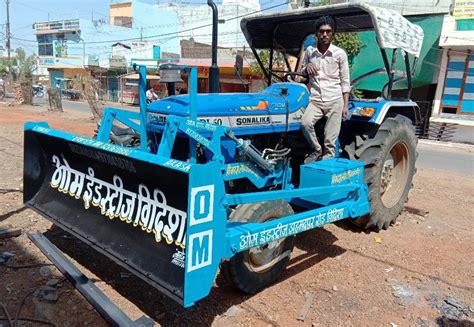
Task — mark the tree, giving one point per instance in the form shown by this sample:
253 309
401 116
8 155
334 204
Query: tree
25 65
264 56
90 87
5 67
350 42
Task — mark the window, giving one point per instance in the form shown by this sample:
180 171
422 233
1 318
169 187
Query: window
458 93
45 45
465 25
124 21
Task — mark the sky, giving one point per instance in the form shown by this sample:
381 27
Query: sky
24 13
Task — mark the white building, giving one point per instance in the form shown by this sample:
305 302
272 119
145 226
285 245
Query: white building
196 21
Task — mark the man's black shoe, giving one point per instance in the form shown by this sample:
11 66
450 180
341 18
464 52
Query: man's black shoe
315 156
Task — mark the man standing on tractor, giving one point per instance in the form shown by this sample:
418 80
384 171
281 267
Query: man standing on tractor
329 81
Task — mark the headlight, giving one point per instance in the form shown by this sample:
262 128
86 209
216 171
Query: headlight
363 111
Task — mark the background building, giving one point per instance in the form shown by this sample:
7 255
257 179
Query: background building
195 20
455 91
74 44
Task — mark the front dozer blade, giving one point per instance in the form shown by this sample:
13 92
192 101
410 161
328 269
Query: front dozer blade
116 199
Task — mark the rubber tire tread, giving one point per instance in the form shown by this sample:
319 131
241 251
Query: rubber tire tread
235 270
372 148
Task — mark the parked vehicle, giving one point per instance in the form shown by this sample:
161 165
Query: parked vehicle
71 94
38 90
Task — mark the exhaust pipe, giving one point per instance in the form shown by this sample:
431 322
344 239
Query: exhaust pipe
214 69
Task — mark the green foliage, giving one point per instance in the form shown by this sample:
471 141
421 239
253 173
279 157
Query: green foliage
350 42
21 66
264 55
5 67
25 65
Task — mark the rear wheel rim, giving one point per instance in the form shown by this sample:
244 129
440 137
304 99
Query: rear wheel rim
262 258
394 175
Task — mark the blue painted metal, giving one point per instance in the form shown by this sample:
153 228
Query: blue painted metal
209 236
193 111
289 195
193 97
206 228
243 236
251 172
259 113
328 174
134 153
269 100
126 117
142 103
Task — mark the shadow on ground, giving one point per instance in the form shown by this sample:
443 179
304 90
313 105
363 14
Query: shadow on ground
20 280
317 244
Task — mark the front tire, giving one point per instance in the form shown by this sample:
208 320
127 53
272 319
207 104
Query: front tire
389 155
252 270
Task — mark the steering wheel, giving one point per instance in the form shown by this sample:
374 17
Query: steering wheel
290 77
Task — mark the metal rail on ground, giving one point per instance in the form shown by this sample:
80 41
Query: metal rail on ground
108 310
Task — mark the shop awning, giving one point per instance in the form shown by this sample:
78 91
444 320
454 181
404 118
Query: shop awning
233 81
137 76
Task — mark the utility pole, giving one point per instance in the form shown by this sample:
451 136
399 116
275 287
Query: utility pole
7 2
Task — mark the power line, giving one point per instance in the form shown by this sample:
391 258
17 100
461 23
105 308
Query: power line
169 25
186 30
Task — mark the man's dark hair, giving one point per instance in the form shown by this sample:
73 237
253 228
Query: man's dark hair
325 20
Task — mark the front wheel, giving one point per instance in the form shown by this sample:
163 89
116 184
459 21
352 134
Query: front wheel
254 269
389 155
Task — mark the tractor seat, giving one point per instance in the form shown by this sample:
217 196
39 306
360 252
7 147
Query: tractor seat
121 131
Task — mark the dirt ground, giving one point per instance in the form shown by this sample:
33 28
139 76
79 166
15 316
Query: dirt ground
420 272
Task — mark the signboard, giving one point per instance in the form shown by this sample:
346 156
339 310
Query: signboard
118 62
46 62
463 9
64 62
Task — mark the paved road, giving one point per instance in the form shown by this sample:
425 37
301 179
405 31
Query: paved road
442 157
73 105
78 106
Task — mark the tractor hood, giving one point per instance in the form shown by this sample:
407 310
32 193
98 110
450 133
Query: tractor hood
270 101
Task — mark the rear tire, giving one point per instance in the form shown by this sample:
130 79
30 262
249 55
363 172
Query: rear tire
254 269
389 155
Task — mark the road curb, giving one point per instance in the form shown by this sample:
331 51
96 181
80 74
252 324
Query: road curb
454 145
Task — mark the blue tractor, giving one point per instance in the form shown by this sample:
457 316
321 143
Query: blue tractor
218 180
